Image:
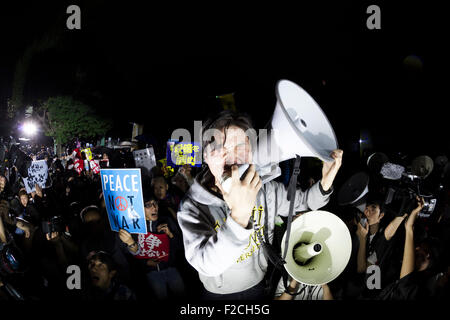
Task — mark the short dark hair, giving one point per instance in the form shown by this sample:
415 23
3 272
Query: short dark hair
148 195
158 177
223 120
105 258
22 193
433 247
377 202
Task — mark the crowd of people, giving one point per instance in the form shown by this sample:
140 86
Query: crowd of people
47 234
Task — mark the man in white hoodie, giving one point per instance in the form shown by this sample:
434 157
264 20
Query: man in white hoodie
220 228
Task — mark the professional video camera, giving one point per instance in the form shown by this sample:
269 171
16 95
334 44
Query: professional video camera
404 184
11 155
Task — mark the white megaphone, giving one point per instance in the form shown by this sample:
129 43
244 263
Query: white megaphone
298 127
319 248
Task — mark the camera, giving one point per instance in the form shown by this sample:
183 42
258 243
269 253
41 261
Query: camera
11 155
11 259
54 224
401 196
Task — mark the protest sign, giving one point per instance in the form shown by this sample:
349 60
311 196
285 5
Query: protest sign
154 246
122 191
88 153
37 174
145 159
95 166
78 164
179 154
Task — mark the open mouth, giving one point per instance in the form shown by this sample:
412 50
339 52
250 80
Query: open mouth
95 278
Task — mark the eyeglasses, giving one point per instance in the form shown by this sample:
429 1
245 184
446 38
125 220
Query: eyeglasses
151 204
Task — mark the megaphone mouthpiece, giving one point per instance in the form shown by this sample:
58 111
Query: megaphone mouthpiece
304 252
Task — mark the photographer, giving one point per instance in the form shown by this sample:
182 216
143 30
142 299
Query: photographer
12 262
417 275
53 251
377 244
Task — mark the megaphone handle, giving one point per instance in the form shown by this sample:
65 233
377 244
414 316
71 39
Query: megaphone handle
291 197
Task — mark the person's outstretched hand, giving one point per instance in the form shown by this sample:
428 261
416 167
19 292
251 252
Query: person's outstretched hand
25 227
330 169
409 224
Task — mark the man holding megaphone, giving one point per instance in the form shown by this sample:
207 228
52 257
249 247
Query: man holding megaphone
223 229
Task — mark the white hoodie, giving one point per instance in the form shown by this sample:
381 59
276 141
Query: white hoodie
226 255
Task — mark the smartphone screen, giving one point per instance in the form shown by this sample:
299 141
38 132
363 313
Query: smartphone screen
363 221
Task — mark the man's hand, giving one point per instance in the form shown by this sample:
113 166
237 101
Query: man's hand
330 169
126 237
25 227
293 286
409 224
361 231
164 228
242 196
38 190
53 237
152 263
186 171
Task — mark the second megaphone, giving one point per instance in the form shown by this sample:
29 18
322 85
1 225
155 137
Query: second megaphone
319 248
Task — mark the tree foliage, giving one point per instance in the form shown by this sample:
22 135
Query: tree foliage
64 118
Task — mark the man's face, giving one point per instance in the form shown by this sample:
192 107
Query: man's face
100 275
160 189
236 149
151 210
24 200
373 214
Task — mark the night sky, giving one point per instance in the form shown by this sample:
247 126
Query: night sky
162 65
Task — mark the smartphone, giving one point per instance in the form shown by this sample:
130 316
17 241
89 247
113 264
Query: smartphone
363 221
